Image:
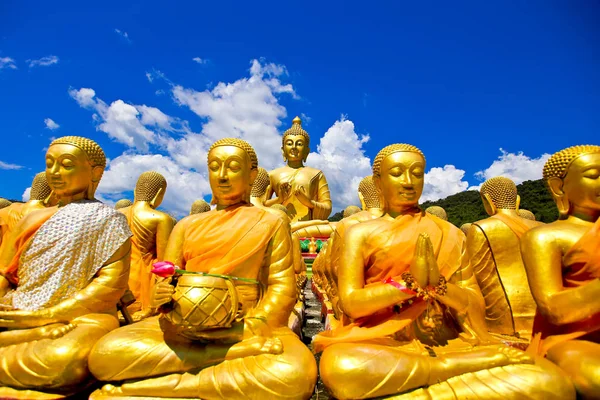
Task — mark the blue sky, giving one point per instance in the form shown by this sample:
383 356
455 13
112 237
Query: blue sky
459 80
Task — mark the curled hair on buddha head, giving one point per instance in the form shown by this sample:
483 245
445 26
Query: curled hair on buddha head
502 192
239 143
526 214
199 206
40 190
296 129
438 212
262 181
350 210
392 148
465 227
369 192
94 152
4 203
557 167
148 186
122 204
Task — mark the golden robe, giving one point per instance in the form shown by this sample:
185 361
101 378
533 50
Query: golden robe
243 241
581 265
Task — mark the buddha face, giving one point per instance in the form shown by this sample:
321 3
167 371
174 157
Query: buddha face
582 183
295 148
68 170
230 174
401 179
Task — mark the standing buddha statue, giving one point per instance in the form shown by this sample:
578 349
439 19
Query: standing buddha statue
303 190
415 310
151 229
257 356
493 248
562 260
60 278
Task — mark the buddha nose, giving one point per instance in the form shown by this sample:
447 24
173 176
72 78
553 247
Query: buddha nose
223 174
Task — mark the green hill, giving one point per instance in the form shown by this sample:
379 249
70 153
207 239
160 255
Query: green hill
467 206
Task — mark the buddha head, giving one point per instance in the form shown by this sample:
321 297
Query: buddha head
261 183
398 174
350 210
199 206
367 193
572 177
438 212
295 143
40 190
150 187
526 214
499 193
4 203
465 227
232 169
74 167
122 204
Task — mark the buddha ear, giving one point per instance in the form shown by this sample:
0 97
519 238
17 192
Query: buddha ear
362 201
518 202
560 197
377 183
283 154
488 204
253 175
306 153
154 202
97 172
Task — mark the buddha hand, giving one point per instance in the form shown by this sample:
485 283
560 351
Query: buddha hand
254 326
21 319
285 190
424 268
302 197
162 293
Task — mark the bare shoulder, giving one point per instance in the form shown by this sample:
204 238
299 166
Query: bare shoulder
542 235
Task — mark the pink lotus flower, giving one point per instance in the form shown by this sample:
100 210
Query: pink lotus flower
164 269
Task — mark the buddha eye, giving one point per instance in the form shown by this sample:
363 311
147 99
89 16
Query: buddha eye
235 166
49 163
68 164
418 172
395 171
592 173
213 166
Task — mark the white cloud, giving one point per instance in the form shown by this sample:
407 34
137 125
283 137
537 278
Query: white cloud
123 34
50 124
4 165
247 108
305 119
26 194
339 148
149 77
200 60
443 182
183 186
7 62
515 166
137 126
43 62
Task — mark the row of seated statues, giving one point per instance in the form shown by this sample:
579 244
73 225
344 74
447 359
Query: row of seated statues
422 310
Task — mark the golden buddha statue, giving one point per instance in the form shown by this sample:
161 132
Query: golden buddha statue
40 196
61 278
4 204
562 260
123 203
259 188
415 310
438 212
199 206
303 190
370 199
257 356
526 214
151 229
465 227
350 210
493 248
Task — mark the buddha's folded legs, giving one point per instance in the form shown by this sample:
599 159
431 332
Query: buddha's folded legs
580 359
181 368
54 364
365 370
